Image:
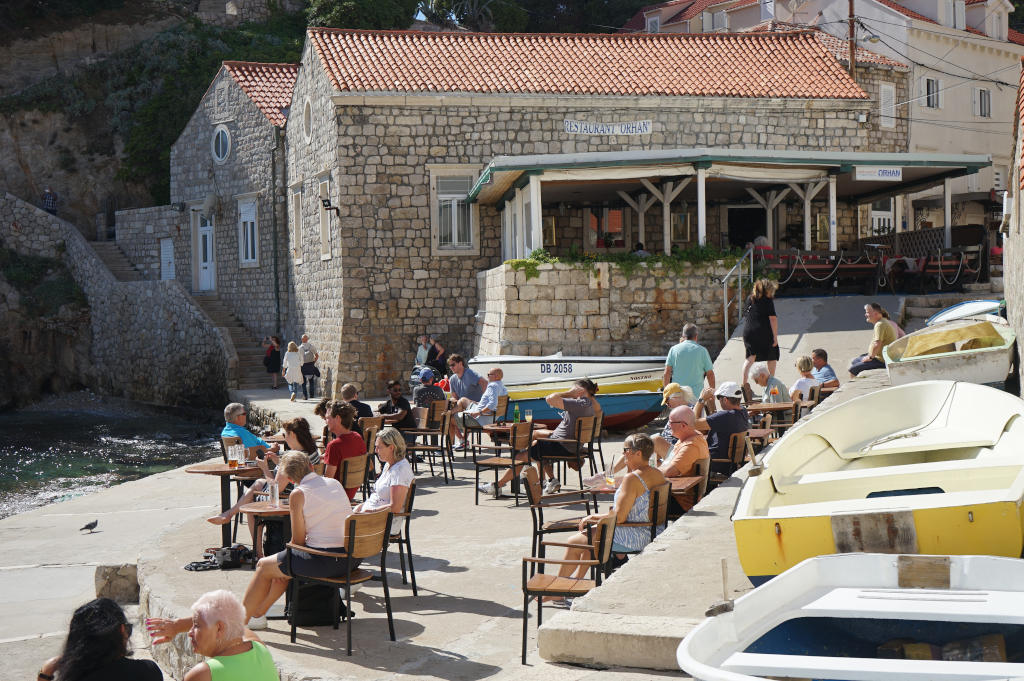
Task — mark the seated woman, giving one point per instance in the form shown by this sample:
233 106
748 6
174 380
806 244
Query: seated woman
631 505
217 631
802 387
96 648
318 509
299 437
392 485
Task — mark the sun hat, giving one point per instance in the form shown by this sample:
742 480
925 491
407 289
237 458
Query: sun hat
670 390
730 389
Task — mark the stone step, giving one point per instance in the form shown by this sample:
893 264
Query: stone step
116 261
997 284
920 312
981 287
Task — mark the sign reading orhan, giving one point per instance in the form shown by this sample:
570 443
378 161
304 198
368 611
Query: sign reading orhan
594 128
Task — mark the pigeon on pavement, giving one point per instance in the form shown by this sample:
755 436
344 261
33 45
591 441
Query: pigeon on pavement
90 526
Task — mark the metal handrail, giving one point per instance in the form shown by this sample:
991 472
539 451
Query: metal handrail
737 271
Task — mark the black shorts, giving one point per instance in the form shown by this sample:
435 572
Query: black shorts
310 565
760 352
548 449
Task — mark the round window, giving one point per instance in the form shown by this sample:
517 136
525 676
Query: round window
220 145
307 120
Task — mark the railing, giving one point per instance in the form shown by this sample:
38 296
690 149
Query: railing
747 259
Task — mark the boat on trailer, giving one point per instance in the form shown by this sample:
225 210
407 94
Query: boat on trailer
976 349
931 467
869 617
521 369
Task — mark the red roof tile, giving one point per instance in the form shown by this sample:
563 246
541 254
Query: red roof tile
904 11
638 21
1017 126
693 10
837 46
269 86
783 65
1015 36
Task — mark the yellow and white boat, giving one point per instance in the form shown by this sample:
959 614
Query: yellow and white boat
608 383
934 467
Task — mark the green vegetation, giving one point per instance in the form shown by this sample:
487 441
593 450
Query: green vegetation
45 284
533 16
366 14
628 263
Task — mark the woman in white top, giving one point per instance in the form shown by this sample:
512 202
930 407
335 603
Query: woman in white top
291 369
802 388
318 509
392 485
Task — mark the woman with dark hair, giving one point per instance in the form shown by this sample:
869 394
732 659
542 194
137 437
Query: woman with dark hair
299 438
321 410
97 648
272 359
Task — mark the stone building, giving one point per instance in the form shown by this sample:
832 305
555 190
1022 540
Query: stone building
1013 224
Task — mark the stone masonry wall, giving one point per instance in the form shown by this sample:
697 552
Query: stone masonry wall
580 312
139 232
149 342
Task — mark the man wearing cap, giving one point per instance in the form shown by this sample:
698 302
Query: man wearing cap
688 363
732 418
426 392
690 447
471 414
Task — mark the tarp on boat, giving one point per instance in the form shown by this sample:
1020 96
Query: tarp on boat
945 339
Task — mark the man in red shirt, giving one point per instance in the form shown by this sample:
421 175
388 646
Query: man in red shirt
347 443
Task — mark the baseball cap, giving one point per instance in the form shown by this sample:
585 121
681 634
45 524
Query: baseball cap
427 373
670 390
730 389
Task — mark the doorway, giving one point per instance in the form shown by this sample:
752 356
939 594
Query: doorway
746 224
205 257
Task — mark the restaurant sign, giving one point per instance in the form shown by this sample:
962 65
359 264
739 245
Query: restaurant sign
879 174
574 127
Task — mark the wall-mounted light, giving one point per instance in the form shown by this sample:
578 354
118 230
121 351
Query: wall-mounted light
326 203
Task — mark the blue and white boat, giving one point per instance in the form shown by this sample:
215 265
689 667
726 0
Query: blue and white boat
622 411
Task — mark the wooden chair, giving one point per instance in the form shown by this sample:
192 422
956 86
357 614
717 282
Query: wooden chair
597 439
226 442
765 424
366 535
490 457
432 451
539 502
501 409
739 449
813 399
657 511
371 422
701 467
579 449
353 472
370 438
539 585
401 538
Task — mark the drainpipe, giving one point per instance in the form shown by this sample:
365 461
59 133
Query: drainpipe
273 222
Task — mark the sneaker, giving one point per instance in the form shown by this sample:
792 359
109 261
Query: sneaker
552 486
486 488
593 480
460 447
257 623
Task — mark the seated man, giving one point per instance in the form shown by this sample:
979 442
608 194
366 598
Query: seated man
774 389
822 371
234 426
470 414
690 447
350 394
673 396
884 333
732 418
397 411
426 392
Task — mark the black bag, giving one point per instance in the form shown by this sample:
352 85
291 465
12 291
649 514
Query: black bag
314 605
273 535
232 557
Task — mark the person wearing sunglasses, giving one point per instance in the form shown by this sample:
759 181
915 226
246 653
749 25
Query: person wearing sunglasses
397 411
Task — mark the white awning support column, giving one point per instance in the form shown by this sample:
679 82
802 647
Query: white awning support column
911 218
702 207
666 195
769 203
833 225
536 215
807 195
897 213
640 205
947 208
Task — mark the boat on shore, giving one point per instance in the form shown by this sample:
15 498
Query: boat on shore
968 308
932 467
523 369
619 382
622 411
976 349
869 617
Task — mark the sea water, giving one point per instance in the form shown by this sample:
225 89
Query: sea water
74 445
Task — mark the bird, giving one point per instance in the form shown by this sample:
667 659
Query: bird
90 526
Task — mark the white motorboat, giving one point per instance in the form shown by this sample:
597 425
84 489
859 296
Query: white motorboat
968 308
976 349
869 617
527 369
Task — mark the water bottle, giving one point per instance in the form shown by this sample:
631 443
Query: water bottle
274 501
515 414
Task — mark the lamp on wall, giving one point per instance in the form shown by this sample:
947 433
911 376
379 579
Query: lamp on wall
326 203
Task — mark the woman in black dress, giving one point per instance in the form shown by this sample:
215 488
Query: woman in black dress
761 328
272 360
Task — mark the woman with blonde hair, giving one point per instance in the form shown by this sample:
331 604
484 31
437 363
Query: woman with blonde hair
760 328
392 485
802 388
291 369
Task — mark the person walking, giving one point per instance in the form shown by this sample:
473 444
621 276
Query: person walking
688 363
292 369
760 329
309 371
272 358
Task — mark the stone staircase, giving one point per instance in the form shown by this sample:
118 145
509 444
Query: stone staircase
250 371
116 261
919 308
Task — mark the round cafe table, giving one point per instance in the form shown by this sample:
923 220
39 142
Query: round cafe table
225 473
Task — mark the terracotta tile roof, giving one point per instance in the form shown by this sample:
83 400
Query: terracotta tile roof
693 10
269 86
638 21
904 11
1017 127
837 46
1015 36
784 65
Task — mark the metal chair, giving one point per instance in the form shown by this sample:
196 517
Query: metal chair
518 443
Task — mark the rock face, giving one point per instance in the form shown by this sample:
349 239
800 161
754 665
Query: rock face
118 582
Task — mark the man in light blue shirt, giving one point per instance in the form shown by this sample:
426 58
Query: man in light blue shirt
688 363
234 426
822 371
477 414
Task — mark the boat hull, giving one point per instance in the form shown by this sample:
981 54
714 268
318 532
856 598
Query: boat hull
985 365
620 382
968 308
624 411
519 369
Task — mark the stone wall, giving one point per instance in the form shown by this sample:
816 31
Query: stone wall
149 342
139 233
896 138
602 312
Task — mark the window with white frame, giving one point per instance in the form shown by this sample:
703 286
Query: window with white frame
297 224
454 222
653 24
220 144
248 234
325 217
720 21
981 102
707 22
887 105
931 93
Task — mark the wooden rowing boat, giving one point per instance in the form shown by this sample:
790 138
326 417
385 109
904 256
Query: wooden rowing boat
978 350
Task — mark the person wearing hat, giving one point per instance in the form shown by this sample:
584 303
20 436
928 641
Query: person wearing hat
732 418
674 395
426 392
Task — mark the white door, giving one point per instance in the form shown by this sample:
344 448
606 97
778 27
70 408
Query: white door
205 259
881 217
166 259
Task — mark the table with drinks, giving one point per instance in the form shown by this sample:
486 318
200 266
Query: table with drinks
234 468
499 432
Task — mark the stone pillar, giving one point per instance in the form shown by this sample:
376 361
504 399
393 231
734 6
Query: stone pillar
702 208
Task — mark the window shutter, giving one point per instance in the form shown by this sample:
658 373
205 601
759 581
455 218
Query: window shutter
938 85
887 105
706 22
959 15
975 101
447 184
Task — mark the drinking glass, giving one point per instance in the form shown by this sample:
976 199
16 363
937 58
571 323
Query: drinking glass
528 415
232 457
